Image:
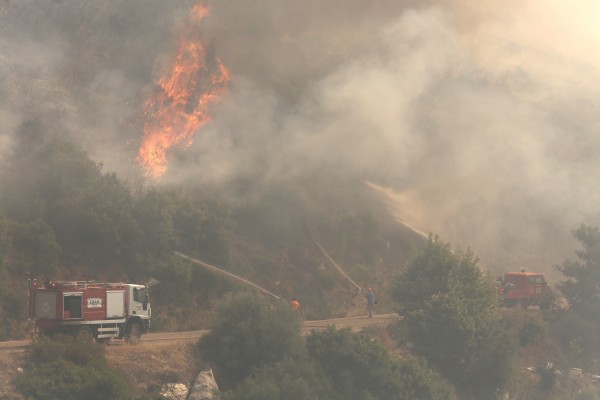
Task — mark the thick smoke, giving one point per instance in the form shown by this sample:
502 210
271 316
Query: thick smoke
481 120
477 122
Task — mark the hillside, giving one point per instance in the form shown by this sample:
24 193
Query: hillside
66 219
151 364
314 149
306 122
113 158
147 367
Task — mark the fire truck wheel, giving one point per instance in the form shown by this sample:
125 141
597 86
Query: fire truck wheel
135 333
85 333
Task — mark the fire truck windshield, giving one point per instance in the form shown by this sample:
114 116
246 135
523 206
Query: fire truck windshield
536 280
140 295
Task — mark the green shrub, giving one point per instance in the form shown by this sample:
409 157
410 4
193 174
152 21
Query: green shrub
358 367
452 311
69 368
578 334
250 332
287 380
529 327
63 380
67 348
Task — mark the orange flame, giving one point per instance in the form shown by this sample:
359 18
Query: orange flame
181 104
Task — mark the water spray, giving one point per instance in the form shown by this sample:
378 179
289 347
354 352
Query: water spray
229 274
340 270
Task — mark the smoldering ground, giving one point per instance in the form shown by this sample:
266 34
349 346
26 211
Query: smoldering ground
477 122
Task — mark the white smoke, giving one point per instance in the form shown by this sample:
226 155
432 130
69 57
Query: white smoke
480 120
484 120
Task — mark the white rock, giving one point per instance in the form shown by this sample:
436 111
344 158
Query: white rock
174 391
205 387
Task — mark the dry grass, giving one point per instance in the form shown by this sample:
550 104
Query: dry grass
146 367
150 365
10 362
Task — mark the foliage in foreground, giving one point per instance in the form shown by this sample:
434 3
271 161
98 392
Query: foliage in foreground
248 333
358 367
582 286
454 318
258 353
69 368
64 218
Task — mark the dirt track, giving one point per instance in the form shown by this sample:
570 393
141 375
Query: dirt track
354 323
170 353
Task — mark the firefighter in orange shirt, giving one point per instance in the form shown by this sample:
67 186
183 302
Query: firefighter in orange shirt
295 304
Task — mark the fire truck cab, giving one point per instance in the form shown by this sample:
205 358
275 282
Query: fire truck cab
524 288
90 309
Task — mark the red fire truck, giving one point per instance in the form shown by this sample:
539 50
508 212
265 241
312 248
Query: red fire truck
524 288
90 309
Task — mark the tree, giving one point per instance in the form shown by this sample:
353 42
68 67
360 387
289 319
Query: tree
94 223
203 228
582 287
68 206
576 326
14 267
153 214
170 221
358 367
36 243
427 274
454 318
249 333
45 176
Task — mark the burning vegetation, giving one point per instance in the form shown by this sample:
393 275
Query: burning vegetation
180 105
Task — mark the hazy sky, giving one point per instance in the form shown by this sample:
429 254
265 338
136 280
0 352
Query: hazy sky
481 120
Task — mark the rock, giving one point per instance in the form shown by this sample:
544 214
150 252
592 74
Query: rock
174 391
205 387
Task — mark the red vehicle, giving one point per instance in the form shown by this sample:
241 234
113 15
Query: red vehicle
90 309
524 288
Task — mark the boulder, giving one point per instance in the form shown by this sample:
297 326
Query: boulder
205 387
174 391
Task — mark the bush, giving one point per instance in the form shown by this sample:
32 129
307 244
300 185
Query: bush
452 311
287 380
68 348
63 380
358 367
529 327
578 334
69 368
249 332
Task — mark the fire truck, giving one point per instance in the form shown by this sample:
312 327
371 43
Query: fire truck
89 309
524 288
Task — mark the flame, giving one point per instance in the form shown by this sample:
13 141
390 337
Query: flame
181 104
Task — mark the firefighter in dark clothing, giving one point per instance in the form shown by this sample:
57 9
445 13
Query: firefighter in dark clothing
370 295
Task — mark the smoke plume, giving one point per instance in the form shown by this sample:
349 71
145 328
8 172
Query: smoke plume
475 121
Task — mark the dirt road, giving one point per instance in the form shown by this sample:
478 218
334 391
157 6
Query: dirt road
354 323
170 353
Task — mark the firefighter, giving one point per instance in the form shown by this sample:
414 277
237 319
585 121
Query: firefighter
295 304
370 295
